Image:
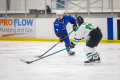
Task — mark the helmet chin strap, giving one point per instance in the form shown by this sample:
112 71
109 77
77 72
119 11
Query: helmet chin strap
60 18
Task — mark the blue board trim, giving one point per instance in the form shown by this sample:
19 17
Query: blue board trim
8 4
110 28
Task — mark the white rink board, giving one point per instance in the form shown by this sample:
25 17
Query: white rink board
99 22
45 27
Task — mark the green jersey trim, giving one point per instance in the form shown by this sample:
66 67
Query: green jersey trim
78 27
75 41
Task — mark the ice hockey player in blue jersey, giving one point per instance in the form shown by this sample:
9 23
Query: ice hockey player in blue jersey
61 31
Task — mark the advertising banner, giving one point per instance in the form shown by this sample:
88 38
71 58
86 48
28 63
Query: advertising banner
18 28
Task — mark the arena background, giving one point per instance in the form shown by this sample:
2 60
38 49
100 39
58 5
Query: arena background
101 13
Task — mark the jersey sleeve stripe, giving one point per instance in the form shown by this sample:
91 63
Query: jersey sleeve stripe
77 39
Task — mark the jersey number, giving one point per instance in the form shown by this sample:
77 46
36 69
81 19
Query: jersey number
89 26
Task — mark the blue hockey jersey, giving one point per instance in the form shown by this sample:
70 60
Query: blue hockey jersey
58 25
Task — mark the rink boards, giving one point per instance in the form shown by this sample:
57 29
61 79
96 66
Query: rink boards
42 29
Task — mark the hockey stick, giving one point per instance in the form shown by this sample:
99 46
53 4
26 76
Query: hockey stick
50 48
28 62
46 51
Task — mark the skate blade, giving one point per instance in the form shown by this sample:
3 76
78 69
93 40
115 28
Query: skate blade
88 64
72 55
97 62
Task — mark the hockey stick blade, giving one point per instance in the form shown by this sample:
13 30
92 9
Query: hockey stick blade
24 61
37 56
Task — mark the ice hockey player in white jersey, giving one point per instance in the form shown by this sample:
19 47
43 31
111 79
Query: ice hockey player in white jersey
92 37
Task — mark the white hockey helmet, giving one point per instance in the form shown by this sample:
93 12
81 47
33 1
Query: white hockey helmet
60 12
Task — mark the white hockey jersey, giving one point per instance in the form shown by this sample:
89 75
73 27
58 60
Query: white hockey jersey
82 32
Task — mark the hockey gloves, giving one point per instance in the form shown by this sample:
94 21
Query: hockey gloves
64 35
74 27
61 39
61 36
72 45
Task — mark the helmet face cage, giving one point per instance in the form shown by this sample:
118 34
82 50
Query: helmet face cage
80 20
59 12
59 18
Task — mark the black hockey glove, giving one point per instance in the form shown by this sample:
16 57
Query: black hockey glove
74 27
64 35
72 45
63 28
61 39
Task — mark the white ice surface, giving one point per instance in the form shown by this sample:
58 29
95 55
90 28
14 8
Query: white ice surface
59 66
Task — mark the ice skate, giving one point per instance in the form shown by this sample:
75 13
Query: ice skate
70 52
96 58
90 60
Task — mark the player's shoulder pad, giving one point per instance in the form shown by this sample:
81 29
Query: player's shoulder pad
56 22
84 24
65 16
87 23
69 16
